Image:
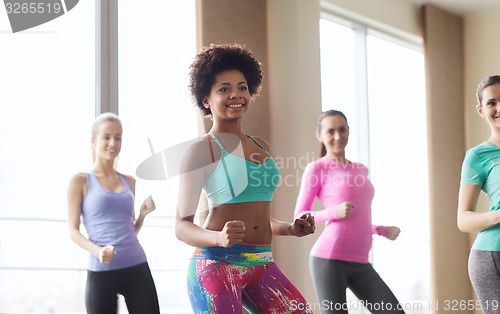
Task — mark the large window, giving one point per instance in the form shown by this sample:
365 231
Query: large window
377 80
155 52
47 105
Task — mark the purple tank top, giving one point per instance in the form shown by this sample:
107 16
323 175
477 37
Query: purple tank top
107 217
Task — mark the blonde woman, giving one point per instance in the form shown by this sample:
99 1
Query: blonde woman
104 199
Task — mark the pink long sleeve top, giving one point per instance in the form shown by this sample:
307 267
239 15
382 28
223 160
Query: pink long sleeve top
347 239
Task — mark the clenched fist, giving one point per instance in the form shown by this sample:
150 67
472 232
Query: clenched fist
344 210
304 225
232 233
392 232
147 206
106 254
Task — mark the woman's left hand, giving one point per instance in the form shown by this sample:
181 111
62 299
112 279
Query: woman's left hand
303 226
148 206
392 232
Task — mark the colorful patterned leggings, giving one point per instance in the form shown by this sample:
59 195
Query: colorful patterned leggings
216 286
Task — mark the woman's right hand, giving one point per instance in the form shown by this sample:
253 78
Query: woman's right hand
106 253
344 210
232 233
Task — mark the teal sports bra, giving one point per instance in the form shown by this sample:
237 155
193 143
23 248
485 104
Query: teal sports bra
236 180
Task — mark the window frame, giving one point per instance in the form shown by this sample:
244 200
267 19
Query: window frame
106 100
363 27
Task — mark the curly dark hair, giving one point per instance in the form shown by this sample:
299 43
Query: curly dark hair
218 58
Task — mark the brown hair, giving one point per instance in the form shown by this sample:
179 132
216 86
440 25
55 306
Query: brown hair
322 149
488 81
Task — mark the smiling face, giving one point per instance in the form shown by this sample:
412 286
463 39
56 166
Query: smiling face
229 97
489 108
334 134
107 141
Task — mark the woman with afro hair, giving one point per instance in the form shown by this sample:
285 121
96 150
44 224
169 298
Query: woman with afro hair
232 266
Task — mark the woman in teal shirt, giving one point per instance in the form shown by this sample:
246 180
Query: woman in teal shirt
481 171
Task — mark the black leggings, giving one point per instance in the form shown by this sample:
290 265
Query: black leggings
332 277
134 283
484 273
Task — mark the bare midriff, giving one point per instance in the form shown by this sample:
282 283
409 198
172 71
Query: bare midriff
255 215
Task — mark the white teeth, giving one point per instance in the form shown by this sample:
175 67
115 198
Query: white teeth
234 106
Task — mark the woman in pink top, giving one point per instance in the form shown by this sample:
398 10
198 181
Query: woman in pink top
339 259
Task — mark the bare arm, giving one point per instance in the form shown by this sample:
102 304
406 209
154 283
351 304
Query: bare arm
146 207
467 219
76 189
192 178
281 227
300 227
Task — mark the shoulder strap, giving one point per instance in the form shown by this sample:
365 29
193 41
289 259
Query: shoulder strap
124 181
211 149
228 178
217 141
258 143
90 179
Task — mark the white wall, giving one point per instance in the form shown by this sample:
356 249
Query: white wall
401 15
295 102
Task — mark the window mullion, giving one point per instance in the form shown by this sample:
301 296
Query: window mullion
361 78
106 56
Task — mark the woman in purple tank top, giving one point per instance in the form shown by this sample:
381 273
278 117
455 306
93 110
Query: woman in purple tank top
104 199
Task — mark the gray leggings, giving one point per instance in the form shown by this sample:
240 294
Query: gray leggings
331 278
485 277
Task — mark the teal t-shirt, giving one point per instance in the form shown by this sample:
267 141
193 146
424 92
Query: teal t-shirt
482 167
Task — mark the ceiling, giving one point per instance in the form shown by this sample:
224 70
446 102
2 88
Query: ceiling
465 7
